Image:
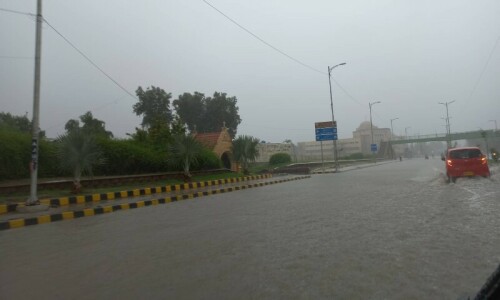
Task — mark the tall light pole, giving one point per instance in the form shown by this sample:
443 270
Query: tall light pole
495 121
392 134
448 141
335 156
392 130
371 123
36 108
406 131
406 135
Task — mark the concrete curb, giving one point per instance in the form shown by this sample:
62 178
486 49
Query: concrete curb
6 208
354 168
68 215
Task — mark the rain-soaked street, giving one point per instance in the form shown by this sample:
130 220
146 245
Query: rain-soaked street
391 231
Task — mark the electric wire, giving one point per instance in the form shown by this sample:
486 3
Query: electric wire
17 12
74 47
16 57
89 60
484 69
263 41
281 52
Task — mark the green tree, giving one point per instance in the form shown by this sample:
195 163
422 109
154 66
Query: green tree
185 151
245 150
222 109
208 114
90 126
17 123
191 109
153 105
77 152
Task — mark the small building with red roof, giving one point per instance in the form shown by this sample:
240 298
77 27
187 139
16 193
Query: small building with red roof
221 144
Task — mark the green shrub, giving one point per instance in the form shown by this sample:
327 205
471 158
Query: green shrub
356 156
122 157
207 160
280 158
15 156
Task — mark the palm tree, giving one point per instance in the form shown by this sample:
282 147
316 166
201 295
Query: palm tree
245 150
185 151
78 152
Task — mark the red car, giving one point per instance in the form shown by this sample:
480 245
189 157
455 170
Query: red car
467 161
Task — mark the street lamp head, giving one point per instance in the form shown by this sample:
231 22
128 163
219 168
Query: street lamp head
331 68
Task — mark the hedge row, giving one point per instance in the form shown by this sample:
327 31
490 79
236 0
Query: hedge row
121 157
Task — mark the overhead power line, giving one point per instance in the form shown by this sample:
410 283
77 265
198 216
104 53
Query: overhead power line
281 51
89 60
484 68
16 57
263 41
17 12
72 45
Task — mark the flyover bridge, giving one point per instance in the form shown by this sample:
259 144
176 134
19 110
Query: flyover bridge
442 137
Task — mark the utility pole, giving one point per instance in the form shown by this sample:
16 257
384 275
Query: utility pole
448 139
392 134
335 156
33 200
371 127
496 128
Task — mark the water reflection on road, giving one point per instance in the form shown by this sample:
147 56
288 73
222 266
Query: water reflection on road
393 231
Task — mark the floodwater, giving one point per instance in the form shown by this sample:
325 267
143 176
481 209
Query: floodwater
391 231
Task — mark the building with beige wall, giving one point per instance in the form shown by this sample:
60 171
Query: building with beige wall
266 150
363 135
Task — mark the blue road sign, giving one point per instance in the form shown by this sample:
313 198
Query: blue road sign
373 147
326 137
327 130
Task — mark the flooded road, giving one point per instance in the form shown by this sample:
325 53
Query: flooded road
392 231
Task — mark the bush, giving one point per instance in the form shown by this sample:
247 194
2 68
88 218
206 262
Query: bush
356 156
207 160
122 157
15 156
280 158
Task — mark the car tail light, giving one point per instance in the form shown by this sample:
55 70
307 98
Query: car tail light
484 160
449 162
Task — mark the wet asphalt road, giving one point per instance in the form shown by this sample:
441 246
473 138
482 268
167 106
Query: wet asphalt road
392 231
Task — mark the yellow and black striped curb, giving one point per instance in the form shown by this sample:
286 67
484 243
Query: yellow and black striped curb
6 208
68 215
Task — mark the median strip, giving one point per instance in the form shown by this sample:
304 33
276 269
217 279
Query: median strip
81 199
68 215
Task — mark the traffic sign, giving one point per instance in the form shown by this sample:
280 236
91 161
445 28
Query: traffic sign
326 137
328 130
373 147
326 124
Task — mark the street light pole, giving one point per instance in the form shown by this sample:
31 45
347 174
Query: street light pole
448 140
371 123
335 156
496 128
36 108
392 134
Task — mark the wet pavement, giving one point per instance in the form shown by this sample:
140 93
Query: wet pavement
391 231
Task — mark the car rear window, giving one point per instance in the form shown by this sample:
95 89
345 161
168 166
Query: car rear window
465 153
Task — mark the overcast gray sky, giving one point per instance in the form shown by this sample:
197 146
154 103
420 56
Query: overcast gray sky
409 55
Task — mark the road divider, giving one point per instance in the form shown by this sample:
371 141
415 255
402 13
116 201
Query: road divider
82 199
87 212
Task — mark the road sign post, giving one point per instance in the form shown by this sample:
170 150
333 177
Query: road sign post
326 131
